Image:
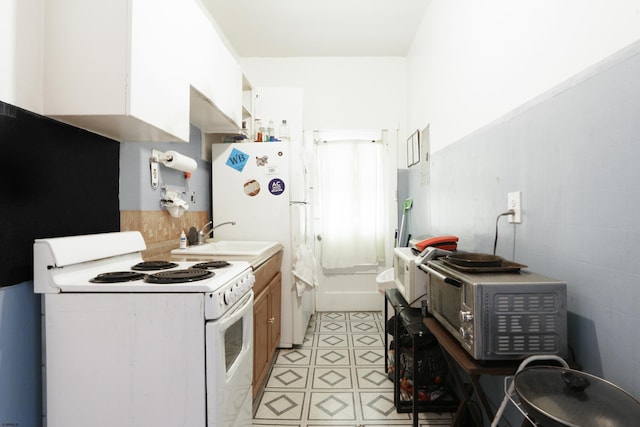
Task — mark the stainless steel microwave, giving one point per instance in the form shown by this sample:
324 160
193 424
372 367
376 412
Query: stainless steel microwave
498 316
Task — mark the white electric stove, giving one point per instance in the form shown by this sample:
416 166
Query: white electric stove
135 343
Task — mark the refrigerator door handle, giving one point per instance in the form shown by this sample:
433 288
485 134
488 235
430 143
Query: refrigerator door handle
298 202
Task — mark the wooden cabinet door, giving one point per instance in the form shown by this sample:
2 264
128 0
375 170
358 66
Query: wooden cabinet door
261 343
267 307
275 310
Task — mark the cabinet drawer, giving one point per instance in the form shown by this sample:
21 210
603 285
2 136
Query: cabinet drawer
265 272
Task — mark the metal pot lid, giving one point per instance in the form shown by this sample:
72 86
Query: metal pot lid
573 398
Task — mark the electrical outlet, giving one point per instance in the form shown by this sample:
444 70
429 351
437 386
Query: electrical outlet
514 201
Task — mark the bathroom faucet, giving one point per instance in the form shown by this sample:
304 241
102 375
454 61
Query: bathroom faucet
202 234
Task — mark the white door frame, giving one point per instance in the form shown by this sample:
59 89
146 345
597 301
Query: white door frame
356 291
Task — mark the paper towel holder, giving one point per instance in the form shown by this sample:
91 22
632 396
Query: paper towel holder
170 159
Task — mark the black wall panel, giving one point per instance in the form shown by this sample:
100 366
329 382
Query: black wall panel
55 180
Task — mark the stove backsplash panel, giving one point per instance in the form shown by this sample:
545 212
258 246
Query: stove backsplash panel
57 180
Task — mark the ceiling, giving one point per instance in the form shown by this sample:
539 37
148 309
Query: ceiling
287 28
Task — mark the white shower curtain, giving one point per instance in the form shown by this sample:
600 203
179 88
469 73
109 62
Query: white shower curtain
351 199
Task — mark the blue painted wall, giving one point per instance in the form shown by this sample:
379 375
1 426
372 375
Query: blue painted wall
136 192
573 153
20 363
67 185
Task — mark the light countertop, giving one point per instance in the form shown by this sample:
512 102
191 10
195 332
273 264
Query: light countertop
255 261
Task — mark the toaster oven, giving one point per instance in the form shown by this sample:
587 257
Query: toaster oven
498 316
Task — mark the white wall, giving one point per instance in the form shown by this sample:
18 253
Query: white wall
339 93
472 62
541 97
345 93
342 93
21 23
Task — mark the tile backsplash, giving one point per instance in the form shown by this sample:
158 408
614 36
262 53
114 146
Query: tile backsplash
161 231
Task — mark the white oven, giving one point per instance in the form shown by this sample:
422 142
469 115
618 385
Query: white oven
231 360
134 343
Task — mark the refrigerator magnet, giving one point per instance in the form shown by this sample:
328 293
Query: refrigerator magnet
237 159
276 186
261 161
251 188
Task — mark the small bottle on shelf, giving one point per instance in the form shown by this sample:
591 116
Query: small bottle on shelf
270 134
244 132
259 130
284 131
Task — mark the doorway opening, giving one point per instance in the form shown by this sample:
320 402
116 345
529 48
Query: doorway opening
351 217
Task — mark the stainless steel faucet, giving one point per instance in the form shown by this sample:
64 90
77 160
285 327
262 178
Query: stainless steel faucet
202 234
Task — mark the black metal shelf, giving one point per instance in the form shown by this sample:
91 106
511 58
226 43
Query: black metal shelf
411 319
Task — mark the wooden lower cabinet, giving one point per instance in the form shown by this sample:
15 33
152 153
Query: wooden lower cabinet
260 340
267 306
275 305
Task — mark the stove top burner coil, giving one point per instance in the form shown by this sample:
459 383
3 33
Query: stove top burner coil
153 265
117 277
211 265
178 276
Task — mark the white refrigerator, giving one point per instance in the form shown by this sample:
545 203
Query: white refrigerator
261 186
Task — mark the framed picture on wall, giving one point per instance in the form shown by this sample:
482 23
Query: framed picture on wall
425 162
413 149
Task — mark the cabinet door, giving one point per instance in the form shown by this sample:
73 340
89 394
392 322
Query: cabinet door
159 80
85 57
124 68
22 34
215 74
114 69
261 352
275 310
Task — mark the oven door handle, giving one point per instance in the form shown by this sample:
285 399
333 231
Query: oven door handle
240 310
445 279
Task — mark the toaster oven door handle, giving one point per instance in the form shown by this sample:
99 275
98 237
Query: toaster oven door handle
445 279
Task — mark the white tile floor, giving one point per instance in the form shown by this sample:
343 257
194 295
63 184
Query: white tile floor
336 378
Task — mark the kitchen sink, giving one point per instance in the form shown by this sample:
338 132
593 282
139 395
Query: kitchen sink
228 247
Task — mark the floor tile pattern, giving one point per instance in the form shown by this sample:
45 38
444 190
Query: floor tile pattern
336 378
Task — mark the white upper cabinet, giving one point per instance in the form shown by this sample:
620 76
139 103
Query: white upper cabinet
215 77
125 68
21 36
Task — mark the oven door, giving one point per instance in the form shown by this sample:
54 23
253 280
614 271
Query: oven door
229 348
446 302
